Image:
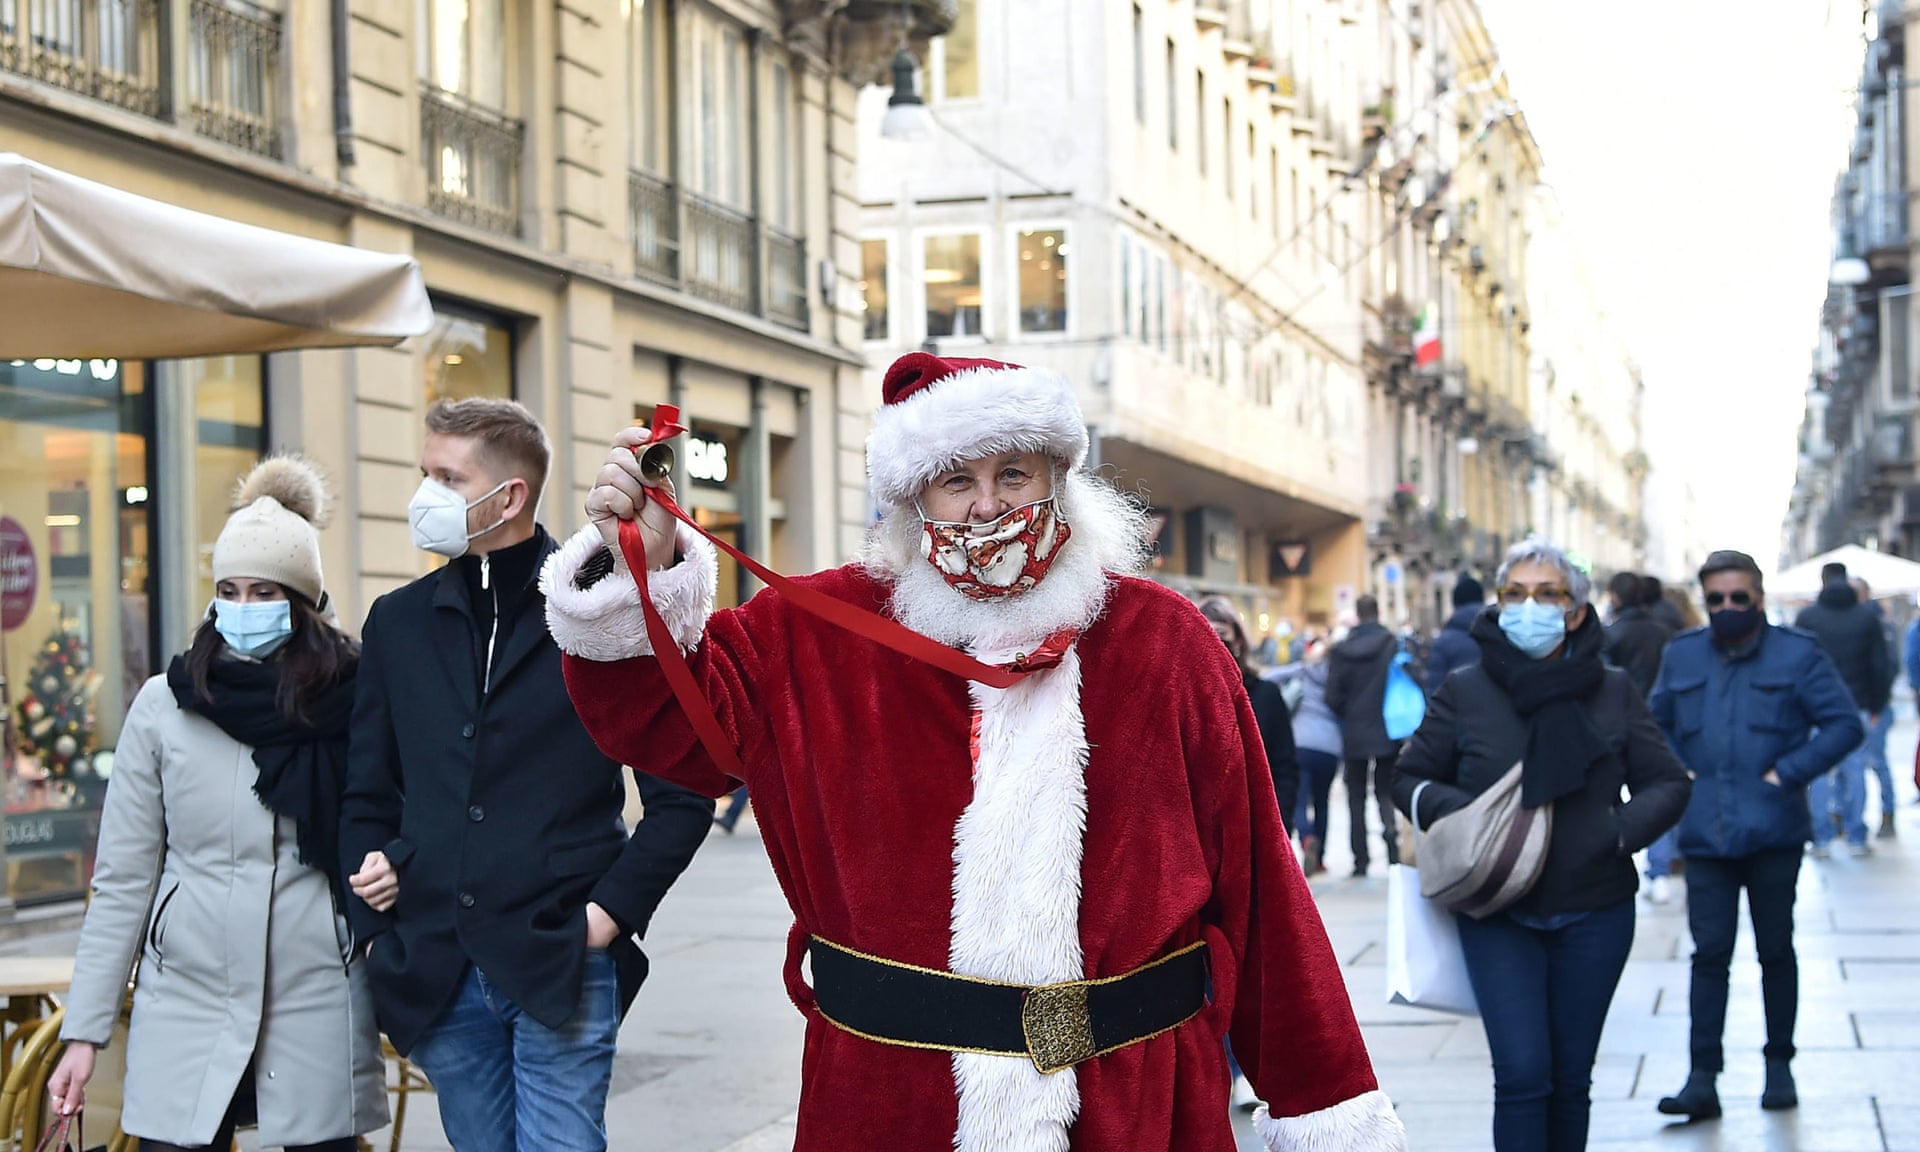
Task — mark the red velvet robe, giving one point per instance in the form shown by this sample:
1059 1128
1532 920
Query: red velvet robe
859 765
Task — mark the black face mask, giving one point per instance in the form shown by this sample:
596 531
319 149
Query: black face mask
1734 624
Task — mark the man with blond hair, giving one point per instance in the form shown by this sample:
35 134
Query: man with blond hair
497 897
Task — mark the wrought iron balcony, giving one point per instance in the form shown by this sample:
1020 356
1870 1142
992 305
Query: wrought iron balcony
720 254
472 156
110 50
233 74
786 279
653 215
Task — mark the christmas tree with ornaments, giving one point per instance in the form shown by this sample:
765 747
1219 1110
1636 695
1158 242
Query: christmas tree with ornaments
56 716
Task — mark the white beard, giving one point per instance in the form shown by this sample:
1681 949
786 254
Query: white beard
1109 537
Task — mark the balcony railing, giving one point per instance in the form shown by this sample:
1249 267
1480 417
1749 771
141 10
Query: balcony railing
233 74
786 280
720 254
684 240
107 49
473 161
653 215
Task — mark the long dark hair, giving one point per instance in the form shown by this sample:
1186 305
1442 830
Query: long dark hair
311 661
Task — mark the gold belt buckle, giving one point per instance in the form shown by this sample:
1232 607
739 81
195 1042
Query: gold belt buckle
1058 1028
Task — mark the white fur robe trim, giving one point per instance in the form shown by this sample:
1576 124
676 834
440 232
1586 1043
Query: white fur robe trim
605 622
1016 894
1365 1123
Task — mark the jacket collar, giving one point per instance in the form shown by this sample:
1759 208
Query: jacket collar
453 623
1748 651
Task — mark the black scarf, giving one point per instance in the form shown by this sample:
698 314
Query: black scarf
1551 696
303 767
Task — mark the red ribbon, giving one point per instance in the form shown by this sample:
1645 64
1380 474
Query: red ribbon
860 621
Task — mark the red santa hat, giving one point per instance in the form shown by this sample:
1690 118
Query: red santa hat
939 411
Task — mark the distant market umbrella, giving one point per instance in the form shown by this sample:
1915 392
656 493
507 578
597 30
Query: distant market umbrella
88 271
1885 575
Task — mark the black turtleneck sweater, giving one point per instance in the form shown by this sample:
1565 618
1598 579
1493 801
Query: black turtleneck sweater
498 586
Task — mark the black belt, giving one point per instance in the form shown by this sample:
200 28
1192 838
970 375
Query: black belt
1054 1025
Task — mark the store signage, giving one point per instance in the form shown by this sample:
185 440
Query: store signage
19 575
706 460
1290 558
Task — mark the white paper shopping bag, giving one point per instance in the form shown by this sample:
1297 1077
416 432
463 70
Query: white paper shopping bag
1425 967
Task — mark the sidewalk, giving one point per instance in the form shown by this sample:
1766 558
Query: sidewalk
1857 931
710 1057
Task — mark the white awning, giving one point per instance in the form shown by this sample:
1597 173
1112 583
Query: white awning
90 271
1885 575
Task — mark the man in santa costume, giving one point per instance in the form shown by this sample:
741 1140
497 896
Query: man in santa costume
1031 914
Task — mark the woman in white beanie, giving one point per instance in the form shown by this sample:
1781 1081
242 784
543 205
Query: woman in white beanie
218 868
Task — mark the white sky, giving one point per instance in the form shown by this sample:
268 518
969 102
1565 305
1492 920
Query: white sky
1694 144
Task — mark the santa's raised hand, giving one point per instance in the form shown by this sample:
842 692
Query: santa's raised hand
619 494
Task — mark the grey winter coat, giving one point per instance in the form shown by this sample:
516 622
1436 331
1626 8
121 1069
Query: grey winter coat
1315 727
242 955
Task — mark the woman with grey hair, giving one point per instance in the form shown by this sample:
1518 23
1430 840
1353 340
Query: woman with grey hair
1544 969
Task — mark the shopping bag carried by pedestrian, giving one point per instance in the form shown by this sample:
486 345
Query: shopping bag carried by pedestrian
1405 704
1425 967
1481 858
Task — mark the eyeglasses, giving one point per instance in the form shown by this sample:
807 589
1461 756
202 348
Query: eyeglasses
1514 595
1741 599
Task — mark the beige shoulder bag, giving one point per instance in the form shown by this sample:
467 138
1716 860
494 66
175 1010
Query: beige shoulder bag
1487 855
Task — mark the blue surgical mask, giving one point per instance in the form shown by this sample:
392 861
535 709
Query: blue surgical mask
257 629
1534 628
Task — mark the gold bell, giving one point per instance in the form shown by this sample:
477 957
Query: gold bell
656 464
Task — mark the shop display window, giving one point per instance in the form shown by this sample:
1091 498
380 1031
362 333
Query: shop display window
75 530
230 436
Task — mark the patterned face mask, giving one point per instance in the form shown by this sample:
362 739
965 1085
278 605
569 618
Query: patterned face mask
1001 558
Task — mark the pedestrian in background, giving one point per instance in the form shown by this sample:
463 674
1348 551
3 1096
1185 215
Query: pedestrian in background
1636 641
1756 713
1850 633
1667 605
1357 693
1316 740
497 892
1544 969
1269 707
1876 745
218 871
1454 647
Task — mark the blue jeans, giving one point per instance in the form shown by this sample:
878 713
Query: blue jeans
1877 758
1771 879
1844 791
498 1071
1661 853
1544 987
1317 770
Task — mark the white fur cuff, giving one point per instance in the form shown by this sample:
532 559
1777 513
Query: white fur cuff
1365 1123
605 622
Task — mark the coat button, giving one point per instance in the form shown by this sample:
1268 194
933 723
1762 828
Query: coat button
466 899
272 1075
467 732
476 813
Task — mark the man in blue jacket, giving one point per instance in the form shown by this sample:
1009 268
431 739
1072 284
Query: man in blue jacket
1756 713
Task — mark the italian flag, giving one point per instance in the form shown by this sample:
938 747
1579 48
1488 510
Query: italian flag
1426 337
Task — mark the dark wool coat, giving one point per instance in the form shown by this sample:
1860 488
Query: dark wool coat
500 815
1471 737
